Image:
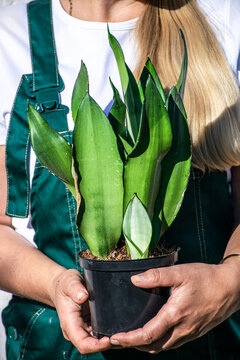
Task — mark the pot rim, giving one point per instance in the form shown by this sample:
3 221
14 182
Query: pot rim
131 265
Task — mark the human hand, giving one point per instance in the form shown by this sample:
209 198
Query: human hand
70 299
202 297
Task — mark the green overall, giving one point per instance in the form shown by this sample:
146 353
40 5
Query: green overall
201 229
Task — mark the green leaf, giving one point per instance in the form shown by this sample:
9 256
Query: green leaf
183 74
100 178
150 70
142 140
129 88
137 229
119 56
174 94
116 117
133 105
118 113
175 169
51 149
80 88
143 168
156 79
142 82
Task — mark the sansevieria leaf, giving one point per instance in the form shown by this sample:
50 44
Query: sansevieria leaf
183 73
175 168
130 89
118 113
117 116
51 149
80 88
137 229
149 69
142 171
100 178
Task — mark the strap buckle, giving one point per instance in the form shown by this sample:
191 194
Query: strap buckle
47 100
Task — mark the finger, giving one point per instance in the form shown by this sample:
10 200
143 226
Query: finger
79 333
156 346
150 333
178 338
65 335
87 344
85 313
176 344
73 288
172 340
157 277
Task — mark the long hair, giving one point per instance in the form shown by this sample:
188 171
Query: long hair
212 95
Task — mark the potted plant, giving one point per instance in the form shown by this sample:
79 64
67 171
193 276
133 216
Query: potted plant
128 172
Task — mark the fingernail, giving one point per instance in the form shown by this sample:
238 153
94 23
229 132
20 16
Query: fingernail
138 278
81 295
114 342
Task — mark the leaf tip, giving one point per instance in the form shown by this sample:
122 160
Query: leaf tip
181 32
108 30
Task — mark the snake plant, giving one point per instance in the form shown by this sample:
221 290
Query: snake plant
129 170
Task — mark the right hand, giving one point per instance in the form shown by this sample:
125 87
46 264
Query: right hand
69 296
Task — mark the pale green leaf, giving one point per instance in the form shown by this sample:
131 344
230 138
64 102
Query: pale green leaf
137 229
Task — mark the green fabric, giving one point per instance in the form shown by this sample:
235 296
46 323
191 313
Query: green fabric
38 335
204 223
17 160
43 53
201 229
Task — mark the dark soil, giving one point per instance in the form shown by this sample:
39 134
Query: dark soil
120 253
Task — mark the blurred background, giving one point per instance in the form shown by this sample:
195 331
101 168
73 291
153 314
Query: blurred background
10 2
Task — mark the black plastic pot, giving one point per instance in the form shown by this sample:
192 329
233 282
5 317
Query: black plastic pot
117 305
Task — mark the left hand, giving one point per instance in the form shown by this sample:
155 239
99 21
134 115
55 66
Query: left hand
70 299
202 297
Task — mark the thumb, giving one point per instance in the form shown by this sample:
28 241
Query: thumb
165 276
73 287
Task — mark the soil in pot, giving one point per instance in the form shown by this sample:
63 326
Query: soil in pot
120 253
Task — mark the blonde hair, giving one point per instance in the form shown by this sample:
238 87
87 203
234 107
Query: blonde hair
211 96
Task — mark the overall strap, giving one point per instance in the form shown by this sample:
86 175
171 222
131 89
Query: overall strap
42 89
47 83
43 53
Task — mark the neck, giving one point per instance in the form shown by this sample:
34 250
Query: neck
105 10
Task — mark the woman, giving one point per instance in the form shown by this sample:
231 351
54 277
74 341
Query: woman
48 278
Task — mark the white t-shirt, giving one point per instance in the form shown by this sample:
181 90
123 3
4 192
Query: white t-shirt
78 40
